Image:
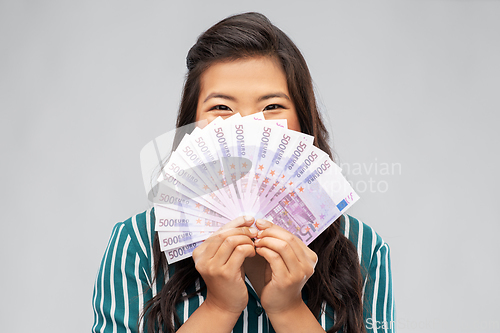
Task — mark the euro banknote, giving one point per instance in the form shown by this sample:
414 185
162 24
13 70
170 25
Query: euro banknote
246 166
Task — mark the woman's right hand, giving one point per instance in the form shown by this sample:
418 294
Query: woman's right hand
219 260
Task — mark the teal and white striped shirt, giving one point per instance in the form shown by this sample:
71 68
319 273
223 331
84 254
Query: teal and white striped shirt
125 281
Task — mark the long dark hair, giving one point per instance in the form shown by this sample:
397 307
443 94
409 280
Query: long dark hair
337 278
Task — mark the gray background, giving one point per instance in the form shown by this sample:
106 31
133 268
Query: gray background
411 84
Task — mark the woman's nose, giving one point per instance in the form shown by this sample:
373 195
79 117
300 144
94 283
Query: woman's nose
247 111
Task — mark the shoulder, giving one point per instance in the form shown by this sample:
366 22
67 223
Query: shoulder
125 280
375 264
130 249
139 231
367 241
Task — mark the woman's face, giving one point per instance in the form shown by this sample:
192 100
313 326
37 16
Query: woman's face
246 86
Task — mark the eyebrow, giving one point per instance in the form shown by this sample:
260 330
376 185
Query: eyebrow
217 95
282 95
231 98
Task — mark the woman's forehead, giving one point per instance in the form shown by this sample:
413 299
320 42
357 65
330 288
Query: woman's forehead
250 75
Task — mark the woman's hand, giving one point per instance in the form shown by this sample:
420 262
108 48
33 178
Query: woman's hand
219 260
290 264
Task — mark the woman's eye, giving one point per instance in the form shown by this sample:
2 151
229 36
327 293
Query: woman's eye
221 107
273 107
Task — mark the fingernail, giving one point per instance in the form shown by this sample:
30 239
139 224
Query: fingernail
256 240
253 230
259 233
248 218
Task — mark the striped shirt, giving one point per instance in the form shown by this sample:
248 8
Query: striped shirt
125 281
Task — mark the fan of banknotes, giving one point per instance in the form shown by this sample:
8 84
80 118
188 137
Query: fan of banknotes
246 166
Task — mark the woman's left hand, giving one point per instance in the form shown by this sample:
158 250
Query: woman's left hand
290 264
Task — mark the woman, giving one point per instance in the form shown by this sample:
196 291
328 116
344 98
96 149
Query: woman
244 278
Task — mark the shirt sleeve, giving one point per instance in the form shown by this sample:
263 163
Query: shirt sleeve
379 301
122 285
